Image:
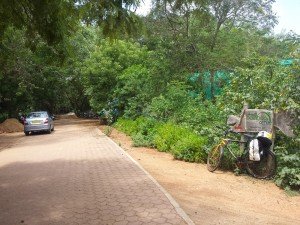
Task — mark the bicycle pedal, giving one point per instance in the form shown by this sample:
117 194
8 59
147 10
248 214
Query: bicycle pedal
238 159
240 165
239 162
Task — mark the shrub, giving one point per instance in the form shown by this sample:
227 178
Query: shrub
166 106
167 135
183 143
288 160
127 126
142 130
140 140
288 172
146 126
190 148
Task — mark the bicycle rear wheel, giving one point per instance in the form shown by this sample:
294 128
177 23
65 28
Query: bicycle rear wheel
214 158
263 169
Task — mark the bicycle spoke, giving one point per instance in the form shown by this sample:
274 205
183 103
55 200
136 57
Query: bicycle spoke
265 168
214 158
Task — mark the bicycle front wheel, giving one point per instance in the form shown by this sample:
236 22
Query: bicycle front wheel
263 169
214 158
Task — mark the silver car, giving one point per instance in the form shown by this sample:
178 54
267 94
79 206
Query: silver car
38 121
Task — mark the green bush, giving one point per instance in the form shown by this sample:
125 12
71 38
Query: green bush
147 129
146 126
181 142
190 148
142 130
167 135
140 140
127 126
288 171
288 160
168 105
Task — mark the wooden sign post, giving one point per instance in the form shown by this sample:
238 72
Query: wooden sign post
254 121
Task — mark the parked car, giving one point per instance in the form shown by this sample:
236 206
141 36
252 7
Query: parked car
38 121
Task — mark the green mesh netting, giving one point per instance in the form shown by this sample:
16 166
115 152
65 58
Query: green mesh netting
201 83
286 62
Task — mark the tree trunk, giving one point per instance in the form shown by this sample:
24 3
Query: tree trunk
214 39
187 24
212 81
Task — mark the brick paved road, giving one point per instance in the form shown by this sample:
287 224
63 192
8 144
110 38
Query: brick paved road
76 175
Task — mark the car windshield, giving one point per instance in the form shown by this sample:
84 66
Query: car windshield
37 115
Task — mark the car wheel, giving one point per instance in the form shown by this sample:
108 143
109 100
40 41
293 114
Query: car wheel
26 133
49 131
53 128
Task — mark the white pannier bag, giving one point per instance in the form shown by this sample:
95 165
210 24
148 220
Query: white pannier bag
254 150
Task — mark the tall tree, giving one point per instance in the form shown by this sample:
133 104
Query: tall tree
53 19
50 19
114 16
257 13
212 32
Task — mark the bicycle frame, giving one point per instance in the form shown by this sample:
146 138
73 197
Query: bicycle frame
226 142
262 169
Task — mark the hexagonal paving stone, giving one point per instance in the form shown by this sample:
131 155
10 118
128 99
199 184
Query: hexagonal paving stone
83 179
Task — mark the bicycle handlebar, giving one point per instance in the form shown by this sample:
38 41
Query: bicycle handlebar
230 130
226 132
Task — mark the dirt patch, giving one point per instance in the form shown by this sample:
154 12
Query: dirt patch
215 198
11 126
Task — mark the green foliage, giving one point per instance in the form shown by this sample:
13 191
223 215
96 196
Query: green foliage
142 130
140 140
167 136
181 142
144 79
167 105
56 19
130 89
15 72
52 20
114 17
288 161
127 126
39 80
177 106
288 174
249 84
264 83
190 148
108 65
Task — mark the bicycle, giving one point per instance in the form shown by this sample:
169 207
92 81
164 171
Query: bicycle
263 169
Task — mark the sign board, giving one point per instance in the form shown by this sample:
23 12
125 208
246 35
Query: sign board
255 120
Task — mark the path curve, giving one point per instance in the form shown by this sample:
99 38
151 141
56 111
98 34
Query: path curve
77 175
